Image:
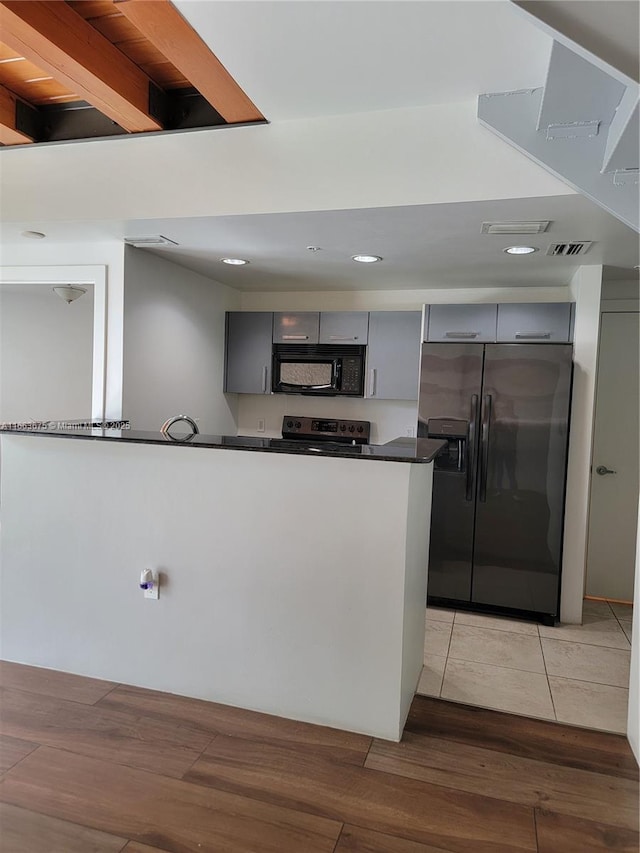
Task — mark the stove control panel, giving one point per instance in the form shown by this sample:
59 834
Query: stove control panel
323 429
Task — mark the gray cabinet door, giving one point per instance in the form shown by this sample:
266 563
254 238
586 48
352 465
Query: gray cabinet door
528 322
344 327
248 365
296 327
393 355
462 323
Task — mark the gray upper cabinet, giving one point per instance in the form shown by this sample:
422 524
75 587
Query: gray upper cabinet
462 323
344 327
544 322
297 327
248 362
393 355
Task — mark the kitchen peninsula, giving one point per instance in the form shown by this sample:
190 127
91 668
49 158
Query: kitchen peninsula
292 580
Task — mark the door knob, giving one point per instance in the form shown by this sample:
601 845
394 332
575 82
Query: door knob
602 470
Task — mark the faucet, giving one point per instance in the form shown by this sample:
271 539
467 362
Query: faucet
164 429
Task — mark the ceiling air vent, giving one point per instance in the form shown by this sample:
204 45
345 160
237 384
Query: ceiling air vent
574 248
146 242
536 227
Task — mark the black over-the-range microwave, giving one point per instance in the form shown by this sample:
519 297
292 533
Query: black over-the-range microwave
320 370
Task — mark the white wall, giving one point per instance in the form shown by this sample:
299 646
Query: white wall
389 418
248 613
174 327
395 300
625 288
620 295
46 349
586 288
633 725
423 155
100 263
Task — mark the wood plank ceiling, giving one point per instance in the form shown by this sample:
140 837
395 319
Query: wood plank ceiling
79 69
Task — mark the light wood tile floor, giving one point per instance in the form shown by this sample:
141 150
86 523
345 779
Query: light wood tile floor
94 767
575 674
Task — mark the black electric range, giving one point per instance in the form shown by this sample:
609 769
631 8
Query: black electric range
300 430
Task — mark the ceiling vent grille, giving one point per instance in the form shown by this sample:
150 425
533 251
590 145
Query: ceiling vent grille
536 227
565 249
143 242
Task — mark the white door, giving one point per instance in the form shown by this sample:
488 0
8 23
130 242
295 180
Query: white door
614 478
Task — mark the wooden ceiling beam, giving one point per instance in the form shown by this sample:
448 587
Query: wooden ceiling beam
9 133
161 23
54 37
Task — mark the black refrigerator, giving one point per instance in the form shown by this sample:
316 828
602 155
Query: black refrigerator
499 487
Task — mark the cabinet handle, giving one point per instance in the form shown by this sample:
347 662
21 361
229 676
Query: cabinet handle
538 335
461 334
343 337
295 337
265 373
372 382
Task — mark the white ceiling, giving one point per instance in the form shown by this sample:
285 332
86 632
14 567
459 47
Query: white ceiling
436 245
320 57
304 58
609 29
421 246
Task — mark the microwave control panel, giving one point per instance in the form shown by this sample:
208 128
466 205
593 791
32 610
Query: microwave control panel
294 426
351 380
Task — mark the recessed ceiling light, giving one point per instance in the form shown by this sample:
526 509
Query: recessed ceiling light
366 259
520 250
34 235
235 262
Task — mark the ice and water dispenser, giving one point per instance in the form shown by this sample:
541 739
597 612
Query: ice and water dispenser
455 431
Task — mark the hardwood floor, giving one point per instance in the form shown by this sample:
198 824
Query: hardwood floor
92 766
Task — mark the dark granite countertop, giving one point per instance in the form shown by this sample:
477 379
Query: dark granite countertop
404 450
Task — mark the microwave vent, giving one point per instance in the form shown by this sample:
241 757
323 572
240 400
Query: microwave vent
565 249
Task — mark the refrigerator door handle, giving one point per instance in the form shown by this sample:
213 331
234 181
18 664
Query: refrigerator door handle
484 441
471 448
